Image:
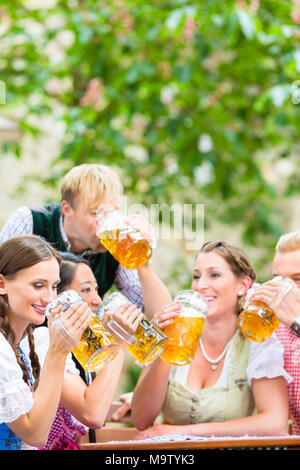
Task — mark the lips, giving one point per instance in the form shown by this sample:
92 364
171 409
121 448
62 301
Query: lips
209 299
41 310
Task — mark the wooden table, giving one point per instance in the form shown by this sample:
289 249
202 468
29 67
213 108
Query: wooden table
289 442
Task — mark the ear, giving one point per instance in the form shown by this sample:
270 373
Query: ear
244 285
66 208
3 289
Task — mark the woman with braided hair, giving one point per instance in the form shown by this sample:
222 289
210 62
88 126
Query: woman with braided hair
229 377
29 274
83 404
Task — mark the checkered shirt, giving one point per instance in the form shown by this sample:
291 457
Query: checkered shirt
291 344
65 432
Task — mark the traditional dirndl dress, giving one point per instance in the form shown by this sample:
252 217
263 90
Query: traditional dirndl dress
66 430
15 395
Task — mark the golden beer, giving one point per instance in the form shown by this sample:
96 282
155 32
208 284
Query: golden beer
258 321
130 252
96 347
185 331
183 335
150 342
146 344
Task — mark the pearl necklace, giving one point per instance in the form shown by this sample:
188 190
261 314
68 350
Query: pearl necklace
214 362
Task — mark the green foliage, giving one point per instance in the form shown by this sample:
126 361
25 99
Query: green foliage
132 375
191 100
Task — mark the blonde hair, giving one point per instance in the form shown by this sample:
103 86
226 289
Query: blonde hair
288 242
92 182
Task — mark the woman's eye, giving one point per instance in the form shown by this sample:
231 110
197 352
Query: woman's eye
38 286
215 274
86 289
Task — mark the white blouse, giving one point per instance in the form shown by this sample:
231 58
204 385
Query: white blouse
265 360
41 346
16 397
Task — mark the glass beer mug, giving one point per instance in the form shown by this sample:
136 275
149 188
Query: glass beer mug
146 344
127 245
96 347
185 331
258 321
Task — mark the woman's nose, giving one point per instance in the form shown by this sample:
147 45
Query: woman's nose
96 301
48 296
200 284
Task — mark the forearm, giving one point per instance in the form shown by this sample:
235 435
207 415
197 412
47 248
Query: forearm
155 293
34 426
149 394
261 424
90 405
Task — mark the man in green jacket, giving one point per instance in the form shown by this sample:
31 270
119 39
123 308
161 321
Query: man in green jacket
71 226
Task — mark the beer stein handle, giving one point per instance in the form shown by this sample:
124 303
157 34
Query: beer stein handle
119 331
64 332
149 329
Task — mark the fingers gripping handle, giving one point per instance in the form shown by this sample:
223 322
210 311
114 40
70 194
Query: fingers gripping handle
70 339
119 331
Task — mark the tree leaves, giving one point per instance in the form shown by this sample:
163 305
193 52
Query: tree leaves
188 98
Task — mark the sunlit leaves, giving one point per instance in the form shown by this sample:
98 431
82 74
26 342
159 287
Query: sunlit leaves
138 84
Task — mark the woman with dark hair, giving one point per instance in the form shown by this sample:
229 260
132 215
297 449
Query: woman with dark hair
29 274
229 376
76 273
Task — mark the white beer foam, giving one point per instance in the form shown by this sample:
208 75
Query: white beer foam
193 304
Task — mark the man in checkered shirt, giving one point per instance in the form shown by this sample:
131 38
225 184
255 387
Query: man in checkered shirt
71 226
286 263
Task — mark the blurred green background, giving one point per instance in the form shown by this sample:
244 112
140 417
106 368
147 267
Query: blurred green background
192 102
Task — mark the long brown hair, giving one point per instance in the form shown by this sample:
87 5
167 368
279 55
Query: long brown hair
236 259
19 253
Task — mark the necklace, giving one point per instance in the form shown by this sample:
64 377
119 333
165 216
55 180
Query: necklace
214 362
